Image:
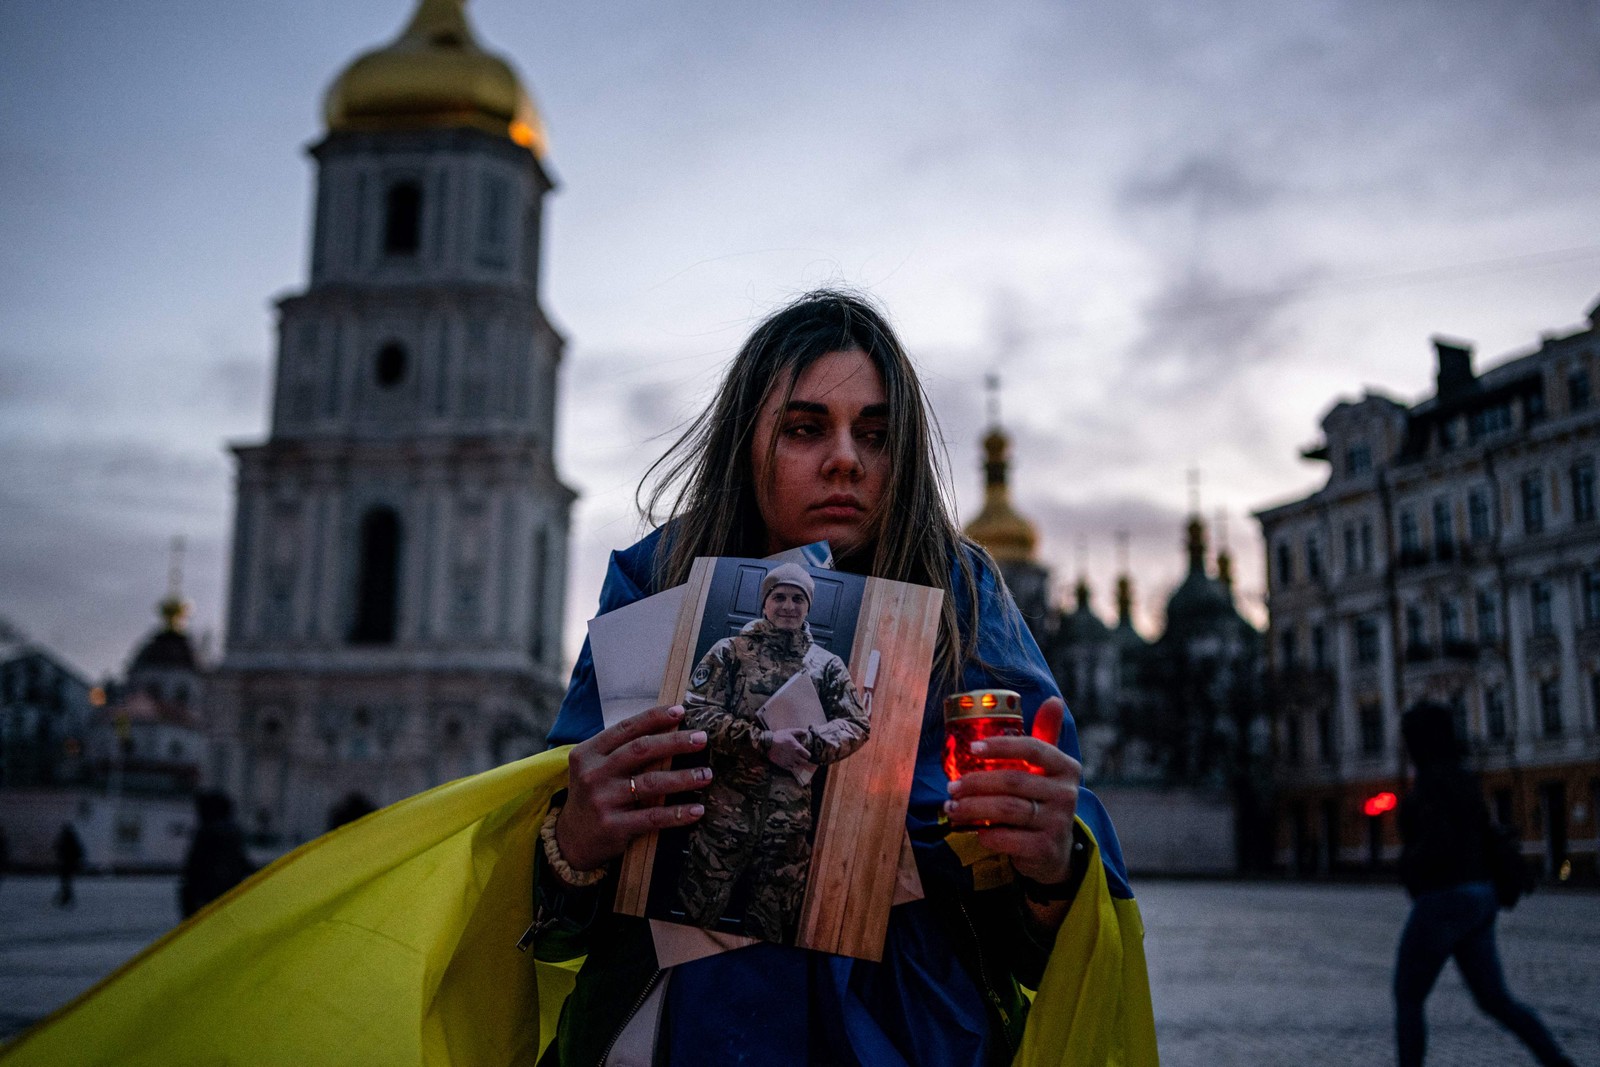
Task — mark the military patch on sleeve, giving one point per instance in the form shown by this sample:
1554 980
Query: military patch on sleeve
702 675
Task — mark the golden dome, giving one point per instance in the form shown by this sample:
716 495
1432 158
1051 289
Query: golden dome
1009 537
434 75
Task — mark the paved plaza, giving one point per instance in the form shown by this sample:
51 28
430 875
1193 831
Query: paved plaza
1283 975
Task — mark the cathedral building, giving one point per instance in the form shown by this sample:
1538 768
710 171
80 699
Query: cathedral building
1156 721
399 543
1452 555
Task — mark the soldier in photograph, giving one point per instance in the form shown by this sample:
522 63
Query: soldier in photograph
757 825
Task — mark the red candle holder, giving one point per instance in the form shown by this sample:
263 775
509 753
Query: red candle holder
977 716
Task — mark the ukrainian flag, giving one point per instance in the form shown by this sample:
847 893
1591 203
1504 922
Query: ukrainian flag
392 941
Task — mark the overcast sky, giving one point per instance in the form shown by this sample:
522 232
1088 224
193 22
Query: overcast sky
1178 231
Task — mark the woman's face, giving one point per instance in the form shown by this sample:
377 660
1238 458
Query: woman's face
821 461
786 607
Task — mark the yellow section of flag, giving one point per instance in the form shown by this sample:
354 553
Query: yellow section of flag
393 941
388 941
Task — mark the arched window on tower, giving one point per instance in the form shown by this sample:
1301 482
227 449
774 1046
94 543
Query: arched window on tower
402 219
378 579
389 366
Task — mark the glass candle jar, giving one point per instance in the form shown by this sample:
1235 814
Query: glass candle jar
977 716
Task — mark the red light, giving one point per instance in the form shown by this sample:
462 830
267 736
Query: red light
1379 803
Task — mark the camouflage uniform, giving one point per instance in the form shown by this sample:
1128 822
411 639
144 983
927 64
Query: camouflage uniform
758 816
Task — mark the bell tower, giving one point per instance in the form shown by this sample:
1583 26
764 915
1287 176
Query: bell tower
399 544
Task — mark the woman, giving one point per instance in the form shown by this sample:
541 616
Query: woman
1444 863
757 826
820 432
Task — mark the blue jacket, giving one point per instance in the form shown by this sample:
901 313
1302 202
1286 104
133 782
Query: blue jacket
948 988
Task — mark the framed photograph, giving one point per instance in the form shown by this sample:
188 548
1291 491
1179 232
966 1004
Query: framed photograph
810 685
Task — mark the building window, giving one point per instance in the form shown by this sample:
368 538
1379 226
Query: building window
1410 537
389 368
1416 631
1450 621
1550 706
1285 564
1578 389
1489 421
1319 647
1533 404
1325 747
1366 640
1357 460
1352 560
1294 741
378 578
1371 715
1488 616
1583 491
1543 615
1591 597
1478 515
1444 533
402 219
1313 558
1494 712
1447 434
1532 504
1366 545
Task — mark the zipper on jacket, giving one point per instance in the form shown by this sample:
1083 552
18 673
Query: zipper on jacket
983 980
628 1018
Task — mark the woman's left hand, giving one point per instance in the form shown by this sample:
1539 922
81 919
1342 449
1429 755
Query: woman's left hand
1029 813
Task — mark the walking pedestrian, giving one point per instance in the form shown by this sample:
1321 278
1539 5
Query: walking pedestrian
1444 828
69 858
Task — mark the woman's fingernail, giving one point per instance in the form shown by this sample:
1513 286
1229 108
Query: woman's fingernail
697 810
676 711
702 774
698 737
950 807
978 748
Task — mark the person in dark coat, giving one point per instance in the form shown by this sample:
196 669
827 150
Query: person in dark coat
217 861
1444 828
69 859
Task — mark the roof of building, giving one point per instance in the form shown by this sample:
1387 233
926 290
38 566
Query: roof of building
169 647
1007 536
435 75
1082 625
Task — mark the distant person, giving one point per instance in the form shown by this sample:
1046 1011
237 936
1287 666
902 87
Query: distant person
216 861
1444 826
69 860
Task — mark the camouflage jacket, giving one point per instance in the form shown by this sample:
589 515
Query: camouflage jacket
735 678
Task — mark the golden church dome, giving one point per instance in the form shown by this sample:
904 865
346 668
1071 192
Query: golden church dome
1008 536
434 75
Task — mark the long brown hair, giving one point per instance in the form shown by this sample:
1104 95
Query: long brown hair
704 483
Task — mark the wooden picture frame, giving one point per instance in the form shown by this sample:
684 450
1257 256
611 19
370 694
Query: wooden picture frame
859 827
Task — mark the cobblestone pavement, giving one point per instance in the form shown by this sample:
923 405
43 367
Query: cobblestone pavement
1280 975
1298 975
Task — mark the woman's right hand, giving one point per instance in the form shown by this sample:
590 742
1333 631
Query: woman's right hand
612 796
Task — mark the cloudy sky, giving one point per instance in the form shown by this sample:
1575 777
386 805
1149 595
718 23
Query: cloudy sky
1178 231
